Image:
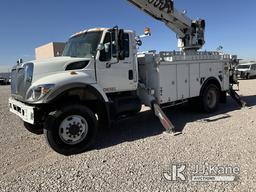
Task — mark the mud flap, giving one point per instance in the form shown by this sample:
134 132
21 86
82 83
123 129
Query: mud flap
167 124
236 97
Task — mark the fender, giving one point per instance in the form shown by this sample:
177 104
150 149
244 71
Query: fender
65 81
210 80
95 88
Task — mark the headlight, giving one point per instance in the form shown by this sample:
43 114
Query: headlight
39 92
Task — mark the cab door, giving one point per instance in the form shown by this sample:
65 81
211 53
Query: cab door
116 75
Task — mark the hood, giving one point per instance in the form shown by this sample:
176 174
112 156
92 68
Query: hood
243 70
26 74
53 65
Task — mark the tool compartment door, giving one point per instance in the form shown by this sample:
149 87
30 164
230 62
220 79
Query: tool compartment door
195 85
167 83
182 81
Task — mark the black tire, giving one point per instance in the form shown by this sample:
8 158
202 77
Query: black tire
210 98
247 76
193 103
35 129
53 132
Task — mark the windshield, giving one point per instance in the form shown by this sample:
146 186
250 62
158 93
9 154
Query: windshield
243 66
84 45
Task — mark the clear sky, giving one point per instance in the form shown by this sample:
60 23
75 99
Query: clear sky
27 24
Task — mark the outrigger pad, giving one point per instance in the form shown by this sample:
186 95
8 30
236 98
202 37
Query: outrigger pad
236 97
169 127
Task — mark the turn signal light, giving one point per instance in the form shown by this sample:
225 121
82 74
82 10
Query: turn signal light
147 31
73 73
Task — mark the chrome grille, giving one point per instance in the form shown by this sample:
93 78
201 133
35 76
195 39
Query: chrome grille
14 81
21 80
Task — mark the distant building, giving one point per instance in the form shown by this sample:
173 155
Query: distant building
49 50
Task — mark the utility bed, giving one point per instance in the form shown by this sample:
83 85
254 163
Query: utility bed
173 76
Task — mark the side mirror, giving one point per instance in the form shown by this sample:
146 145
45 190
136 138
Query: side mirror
100 47
117 46
19 61
139 42
105 51
121 53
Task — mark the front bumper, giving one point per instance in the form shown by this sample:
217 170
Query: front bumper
25 112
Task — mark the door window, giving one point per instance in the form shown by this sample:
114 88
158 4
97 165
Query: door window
126 44
105 53
109 49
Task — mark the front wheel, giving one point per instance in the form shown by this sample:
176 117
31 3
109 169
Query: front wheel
71 130
210 98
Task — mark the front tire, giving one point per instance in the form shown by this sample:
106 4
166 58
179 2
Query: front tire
71 130
210 98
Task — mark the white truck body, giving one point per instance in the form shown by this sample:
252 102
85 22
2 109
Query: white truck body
102 77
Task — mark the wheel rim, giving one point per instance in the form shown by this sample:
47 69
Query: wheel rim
211 99
73 129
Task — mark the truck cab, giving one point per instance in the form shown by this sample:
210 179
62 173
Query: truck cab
113 72
93 82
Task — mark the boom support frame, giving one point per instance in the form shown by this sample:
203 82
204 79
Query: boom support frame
190 33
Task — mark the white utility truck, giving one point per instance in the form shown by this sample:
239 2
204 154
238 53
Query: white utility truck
102 77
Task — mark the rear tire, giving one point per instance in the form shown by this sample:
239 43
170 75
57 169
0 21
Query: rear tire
71 130
210 98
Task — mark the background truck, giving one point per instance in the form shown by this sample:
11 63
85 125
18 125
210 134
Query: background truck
246 70
102 77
